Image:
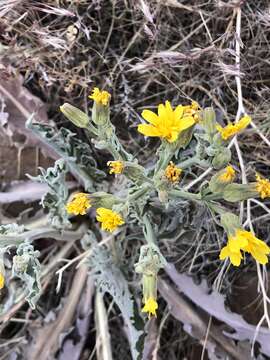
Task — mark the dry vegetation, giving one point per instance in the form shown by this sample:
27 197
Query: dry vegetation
143 52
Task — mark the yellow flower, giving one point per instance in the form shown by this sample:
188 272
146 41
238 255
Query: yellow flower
232 129
100 97
233 250
256 247
168 124
79 204
2 281
172 172
262 186
109 219
150 307
245 241
116 167
228 175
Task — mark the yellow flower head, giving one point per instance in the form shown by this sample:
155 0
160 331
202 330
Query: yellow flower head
2 281
232 129
228 175
109 219
116 167
233 249
173 173
100 97
262 186
150 307
79 204
256 247
244 241
167 124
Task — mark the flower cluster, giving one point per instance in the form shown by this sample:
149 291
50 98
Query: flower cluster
175 127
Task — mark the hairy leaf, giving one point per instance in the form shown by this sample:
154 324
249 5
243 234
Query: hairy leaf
55 199
75 152
110 279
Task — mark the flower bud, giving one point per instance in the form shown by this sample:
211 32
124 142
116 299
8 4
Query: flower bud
208 120
101 106
75 115
222 158
221 179
239 192
229 222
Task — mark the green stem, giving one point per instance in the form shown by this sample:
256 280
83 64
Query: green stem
46 232
137 194
185 195
213 197
148 231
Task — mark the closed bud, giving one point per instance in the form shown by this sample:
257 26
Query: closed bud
101 114
239 192
184 138
208 120
103 199
222 158
230 222
134 172
75 115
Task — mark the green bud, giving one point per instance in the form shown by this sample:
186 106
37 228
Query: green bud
149 287
230 222
222 158
184 138
101 114
75 115
150 260
208 120
217 184
239 192
103 199
134 172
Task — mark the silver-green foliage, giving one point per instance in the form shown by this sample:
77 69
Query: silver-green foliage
110 279
26 266
56 197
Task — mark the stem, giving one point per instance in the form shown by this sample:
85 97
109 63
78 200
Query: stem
139 193
185 195
148 231
31 235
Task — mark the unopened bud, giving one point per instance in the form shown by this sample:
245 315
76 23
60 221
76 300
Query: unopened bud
222 158
239 192
75 115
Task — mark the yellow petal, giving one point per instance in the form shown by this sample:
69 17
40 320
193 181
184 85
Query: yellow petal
150 116
161 110
186 123
244 121
148 130
179 111
168 106
236 258
224 253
